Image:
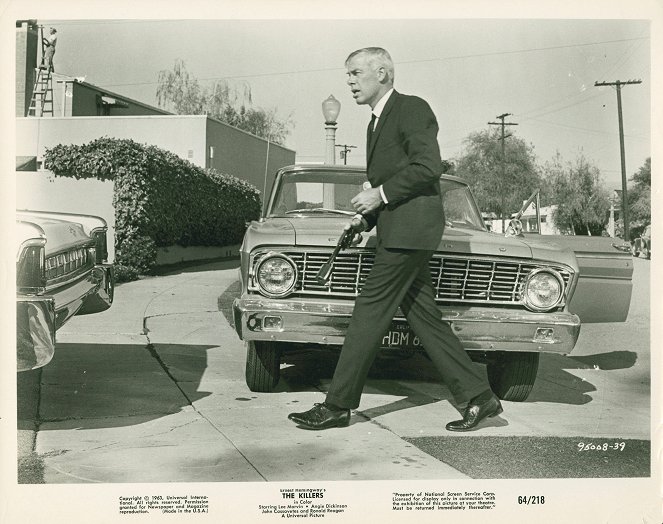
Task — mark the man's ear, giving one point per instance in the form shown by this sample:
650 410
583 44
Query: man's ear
382 75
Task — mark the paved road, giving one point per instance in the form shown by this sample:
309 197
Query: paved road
153 391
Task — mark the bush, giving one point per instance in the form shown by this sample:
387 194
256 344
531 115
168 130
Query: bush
159 199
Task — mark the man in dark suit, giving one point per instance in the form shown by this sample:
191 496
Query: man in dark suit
403 167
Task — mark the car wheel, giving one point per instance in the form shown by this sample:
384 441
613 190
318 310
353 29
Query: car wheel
263 366
512 375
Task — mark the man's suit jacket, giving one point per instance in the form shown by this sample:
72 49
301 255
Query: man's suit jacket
404 157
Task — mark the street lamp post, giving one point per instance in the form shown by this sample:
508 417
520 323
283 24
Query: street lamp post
330 109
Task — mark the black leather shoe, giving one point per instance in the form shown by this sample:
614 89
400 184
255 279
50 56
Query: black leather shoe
475 412
322 416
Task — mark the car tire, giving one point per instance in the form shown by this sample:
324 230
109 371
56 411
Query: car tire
263 366
512 375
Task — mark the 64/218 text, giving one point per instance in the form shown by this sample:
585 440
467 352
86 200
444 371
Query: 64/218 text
532 499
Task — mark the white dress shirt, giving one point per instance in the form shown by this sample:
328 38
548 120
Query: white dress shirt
377 111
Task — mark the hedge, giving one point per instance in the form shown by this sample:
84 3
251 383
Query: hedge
159 198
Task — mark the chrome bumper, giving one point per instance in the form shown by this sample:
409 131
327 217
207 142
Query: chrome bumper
35 331
39 316
482 329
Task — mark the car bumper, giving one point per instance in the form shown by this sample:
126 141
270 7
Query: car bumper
35 331
38 317
482 329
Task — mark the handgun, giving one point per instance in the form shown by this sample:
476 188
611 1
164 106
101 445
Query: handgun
323 275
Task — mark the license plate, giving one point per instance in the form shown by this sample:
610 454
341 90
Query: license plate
401 336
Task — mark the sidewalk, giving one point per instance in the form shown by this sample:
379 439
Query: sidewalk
153 390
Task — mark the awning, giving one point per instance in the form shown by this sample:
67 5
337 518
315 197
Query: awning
110 101
26 163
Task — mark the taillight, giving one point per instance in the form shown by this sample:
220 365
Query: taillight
31 267
100 244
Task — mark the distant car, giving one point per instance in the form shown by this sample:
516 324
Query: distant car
61 271
508 298
642 243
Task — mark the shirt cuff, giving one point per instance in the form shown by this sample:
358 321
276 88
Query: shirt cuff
384 197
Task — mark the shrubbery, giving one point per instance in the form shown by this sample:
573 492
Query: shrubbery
159 199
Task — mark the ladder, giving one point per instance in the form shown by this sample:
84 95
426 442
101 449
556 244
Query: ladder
42 94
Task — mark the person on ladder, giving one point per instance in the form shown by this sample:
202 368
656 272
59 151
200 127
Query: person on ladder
49 43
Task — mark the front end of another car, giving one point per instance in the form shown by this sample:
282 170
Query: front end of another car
62 270
506 298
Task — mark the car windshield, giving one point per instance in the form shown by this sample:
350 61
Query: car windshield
316 193
329 192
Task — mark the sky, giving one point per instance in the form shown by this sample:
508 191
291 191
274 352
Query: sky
541 71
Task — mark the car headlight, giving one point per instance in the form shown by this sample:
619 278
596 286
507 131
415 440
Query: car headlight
276 275
544 289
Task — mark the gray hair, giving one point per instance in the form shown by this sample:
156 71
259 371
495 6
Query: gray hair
377 57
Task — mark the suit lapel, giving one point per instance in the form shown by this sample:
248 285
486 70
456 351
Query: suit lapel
372 140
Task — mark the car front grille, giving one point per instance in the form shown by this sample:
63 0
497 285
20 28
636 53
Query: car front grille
455 278
68 264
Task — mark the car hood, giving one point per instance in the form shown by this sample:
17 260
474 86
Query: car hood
325 231
60 234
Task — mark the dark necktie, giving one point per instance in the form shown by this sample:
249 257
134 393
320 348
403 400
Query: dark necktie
370 129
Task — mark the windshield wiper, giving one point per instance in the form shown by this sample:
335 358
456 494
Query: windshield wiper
320 210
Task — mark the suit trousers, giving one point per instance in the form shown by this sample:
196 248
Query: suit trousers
401 277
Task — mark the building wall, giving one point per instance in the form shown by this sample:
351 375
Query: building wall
183 135
27 42
244 155
84 101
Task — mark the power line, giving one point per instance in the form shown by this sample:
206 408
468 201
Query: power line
403 62
537 112
584 129
609 71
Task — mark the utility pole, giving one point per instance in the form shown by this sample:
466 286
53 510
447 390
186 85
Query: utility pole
619 84
502 123
344 152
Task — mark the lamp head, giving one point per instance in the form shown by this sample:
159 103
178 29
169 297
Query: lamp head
330 110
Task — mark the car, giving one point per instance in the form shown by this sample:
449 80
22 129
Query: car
642 243
61 271
508 298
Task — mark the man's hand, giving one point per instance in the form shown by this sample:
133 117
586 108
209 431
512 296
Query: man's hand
352 230
357 224
368 200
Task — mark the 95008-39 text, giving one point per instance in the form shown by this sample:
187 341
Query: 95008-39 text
605 446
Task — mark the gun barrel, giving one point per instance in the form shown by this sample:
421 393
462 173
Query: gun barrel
323 275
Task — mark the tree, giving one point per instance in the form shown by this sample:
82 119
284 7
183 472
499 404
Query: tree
481 165
582 201
639 195
183 94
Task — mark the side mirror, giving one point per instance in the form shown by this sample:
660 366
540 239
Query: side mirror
515 228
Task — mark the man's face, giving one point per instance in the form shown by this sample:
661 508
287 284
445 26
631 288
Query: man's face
364 80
